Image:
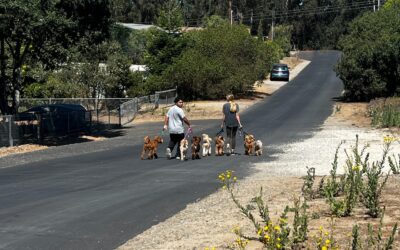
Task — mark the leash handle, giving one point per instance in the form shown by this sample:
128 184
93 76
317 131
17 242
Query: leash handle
188 132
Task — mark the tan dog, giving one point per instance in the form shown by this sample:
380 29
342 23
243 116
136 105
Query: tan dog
219 145
249 144
150 147
196 147
258 148
183 147
206 145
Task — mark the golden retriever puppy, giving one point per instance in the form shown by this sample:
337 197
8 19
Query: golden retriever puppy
258 148
249 144
183 148
150 147
196 140
154 145
146 147
219 145
207 141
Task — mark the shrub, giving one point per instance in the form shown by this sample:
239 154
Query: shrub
385 112
369 66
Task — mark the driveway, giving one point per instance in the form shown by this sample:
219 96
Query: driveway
98 195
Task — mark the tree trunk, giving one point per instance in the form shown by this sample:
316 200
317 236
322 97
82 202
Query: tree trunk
3 81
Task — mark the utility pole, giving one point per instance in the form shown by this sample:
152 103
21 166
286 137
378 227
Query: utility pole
272 26
230 12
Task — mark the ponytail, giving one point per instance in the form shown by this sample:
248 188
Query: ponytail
233 107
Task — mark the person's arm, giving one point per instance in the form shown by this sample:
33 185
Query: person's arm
186 121
238 116
166 119
238 119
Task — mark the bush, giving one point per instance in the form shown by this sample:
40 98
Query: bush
220 60
369 66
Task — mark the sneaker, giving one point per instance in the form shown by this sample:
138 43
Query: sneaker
168 153
178 158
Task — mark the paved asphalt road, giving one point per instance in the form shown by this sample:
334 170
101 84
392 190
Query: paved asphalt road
98 195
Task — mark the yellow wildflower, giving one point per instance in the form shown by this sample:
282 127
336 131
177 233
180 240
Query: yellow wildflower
234 178
321 228
388 139
324 248
327 242
279 246
267 237
356 168
259 231
277 228
266 228
278 239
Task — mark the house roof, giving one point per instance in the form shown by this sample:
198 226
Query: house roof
137 26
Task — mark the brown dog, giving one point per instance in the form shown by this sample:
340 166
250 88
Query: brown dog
150 147
249 144
219 145
196 140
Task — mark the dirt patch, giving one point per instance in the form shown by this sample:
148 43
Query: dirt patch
4 151
355 114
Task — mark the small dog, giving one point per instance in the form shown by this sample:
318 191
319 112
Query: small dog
228 149
196 147
219 145
183 147
206 145
150 147
249 144
258 148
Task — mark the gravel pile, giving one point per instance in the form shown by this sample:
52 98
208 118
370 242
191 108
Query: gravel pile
318 152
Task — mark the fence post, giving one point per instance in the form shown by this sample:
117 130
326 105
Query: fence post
10 139
119 115
39 129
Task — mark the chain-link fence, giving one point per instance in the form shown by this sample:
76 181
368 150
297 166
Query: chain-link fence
109 112
130 109
101 113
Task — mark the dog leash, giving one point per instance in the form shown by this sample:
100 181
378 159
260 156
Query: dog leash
189 132
242 132
219 132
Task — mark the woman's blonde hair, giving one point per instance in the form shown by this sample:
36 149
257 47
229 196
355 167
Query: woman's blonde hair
233 106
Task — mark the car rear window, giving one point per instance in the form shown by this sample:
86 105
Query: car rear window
280 68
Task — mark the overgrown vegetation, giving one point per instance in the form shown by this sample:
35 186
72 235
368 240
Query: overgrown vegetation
385 112
370 65
362 183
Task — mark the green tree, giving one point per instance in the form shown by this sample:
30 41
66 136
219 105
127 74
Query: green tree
370 65
170 17
30 31
218 61
282 36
